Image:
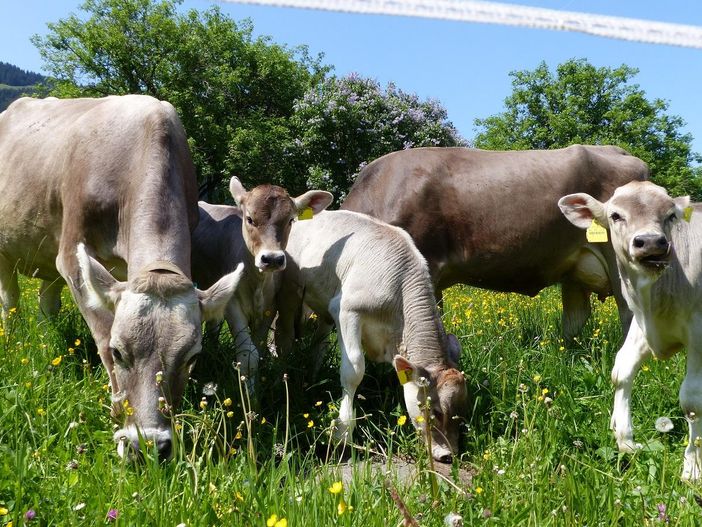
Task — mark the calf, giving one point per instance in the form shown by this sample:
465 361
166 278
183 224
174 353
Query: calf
253 234
368 278
658 257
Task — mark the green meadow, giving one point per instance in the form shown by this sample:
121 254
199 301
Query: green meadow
536 447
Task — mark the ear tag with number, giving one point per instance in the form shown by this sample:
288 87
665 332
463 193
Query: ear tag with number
404 376
687 213
305 214
596 233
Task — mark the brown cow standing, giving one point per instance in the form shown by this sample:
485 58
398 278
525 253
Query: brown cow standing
490 219
88 185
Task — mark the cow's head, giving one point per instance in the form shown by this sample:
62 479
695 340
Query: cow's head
441 388
639 217
268 212
153 344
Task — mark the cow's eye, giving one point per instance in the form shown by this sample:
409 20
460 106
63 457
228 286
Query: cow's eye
672 217
291 221
615 217
117 357
249 220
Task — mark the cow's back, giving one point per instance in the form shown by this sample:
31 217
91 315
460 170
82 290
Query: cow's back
92 170
490 218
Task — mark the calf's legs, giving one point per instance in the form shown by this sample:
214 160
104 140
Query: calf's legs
626 365
691 404
353 365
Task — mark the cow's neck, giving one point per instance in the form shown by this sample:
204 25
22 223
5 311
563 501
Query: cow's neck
159 232
422 332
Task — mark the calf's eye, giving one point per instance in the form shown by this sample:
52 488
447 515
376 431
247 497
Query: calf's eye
615 216
249 220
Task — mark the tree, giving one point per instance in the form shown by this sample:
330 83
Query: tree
233 93
345 123
589 105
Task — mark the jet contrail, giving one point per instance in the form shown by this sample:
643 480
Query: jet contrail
633 29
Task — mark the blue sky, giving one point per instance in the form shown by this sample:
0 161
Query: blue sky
465 66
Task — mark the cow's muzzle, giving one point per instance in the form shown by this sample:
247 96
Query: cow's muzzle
132 442
651 251
271 261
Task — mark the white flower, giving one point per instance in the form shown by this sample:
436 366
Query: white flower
79 507
664 424
209 388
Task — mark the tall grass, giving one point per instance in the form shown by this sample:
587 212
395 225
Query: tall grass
536 442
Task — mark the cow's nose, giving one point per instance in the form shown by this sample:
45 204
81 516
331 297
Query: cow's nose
165 449
273 260
651 242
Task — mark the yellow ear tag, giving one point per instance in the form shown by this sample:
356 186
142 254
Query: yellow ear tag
305 214
404 376
687 213
596 233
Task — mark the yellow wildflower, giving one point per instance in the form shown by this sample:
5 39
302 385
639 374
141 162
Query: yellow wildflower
342 507
230 414
77 342
401 420
310 423
4 511
318 403
273 521
478 490
203 404
25 361
336 488
227 402
56 361
238 434
305 415
537 378
420 419
263 420
41 412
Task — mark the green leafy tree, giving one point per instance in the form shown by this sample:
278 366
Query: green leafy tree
234 93
344 123
585 104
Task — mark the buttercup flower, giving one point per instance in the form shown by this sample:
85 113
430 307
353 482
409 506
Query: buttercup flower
401 420
57 360
336 488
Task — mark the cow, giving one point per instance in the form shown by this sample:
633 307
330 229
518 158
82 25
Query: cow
254 234
489 219
658 246
88 185
368 279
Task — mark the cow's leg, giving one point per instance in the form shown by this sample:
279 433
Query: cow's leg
691 403
576 308
627 363
50 297
9 289
348 324
246 353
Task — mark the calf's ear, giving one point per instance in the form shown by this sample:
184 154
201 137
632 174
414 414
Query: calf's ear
317 200
406 371
214 300
101 288
237 190
580 209
681 204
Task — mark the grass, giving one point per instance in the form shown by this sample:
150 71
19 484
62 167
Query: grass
537 440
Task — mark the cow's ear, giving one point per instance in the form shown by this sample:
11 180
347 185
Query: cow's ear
682 203
581 209
237 190
317 200
214 300
101 288
406 371
453 347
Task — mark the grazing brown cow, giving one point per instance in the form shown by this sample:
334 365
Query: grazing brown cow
88 185
253 234
490 219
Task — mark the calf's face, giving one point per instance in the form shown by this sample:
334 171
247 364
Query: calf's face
439 393
154 341
639 217
268 213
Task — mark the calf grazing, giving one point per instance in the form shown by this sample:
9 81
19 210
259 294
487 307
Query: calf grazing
253 234
92 184
658 257
368 278
489 219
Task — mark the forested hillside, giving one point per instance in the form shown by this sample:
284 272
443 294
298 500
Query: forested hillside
15 82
